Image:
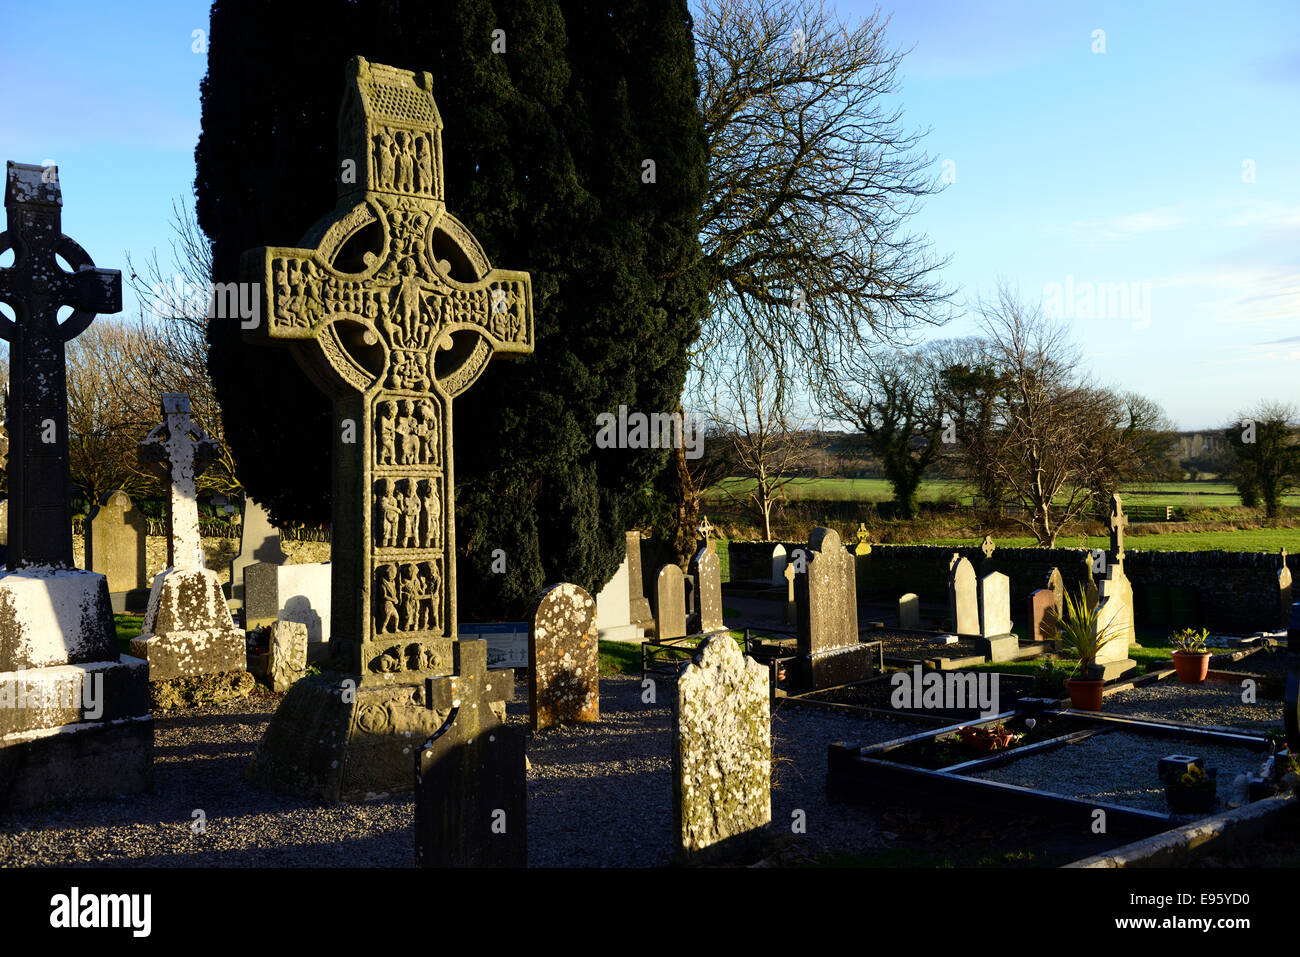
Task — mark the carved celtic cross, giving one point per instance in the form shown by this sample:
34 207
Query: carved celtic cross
35 286
393 310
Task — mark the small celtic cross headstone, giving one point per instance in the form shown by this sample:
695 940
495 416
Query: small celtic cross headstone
705 530
1117 522
183 450
393 332
36 287
987 547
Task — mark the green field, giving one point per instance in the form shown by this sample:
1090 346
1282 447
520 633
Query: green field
1235 540
1186 495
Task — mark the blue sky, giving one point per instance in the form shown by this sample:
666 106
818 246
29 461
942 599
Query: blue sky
1121 169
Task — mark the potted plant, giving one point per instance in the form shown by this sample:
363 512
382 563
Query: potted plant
1192 659
983 740
1191 791
1077 629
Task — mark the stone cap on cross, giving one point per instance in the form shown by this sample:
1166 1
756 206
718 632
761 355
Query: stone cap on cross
1117 522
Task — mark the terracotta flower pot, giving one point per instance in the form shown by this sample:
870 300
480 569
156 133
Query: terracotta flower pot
1191 668
1085 694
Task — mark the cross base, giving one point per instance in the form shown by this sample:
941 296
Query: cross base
188 629
341 741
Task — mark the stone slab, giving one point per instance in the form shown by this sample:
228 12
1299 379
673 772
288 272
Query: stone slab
86 761
909 612
299 593
54 617
187 628
998 647
286 654
338 740
995 605
963 597
670 603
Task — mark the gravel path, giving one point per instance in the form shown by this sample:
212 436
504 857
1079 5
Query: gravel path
598 795
1211 703
1118 768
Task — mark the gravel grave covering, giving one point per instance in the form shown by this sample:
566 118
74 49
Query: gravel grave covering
1210 703
918 647
598 795
1118 767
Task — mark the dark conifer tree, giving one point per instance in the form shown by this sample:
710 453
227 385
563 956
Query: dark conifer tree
545 148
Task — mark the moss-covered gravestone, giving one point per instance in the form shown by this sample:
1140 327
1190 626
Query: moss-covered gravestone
563 659
392 308
115 548
722 753
74 714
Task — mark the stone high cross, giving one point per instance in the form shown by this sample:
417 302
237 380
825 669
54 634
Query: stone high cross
1117 522
183 450
393 313
36 286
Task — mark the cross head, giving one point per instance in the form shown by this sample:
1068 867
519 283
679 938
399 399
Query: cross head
36 286
183 451
705 530
392 308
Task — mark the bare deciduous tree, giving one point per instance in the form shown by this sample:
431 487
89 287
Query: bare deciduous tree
752 412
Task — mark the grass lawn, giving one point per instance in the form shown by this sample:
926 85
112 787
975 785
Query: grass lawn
1233 540
128 627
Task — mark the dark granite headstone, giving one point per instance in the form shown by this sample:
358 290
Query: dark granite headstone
829 652
470 776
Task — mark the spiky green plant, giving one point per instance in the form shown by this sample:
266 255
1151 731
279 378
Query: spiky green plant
1077 628
1191 641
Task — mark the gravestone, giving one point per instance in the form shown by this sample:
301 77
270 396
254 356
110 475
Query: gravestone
721 753
1056 585
779 562
563 662
287 654
1088 583
863 546
829 652
614 610
670 602
987 548
470 775
996 642
115 548
259 541
637 603
393 334
963 598
187 626
1042 615
290 593
909 612
1284 591
75 723
1115 604
791 612
706 572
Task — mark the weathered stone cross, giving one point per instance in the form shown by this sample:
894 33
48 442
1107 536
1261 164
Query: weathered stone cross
394 313
184 451
1117 522
35 286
